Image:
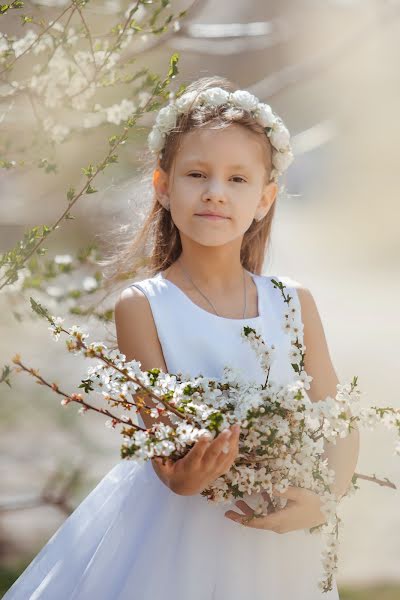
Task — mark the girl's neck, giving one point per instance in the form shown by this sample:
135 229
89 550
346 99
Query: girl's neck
217 275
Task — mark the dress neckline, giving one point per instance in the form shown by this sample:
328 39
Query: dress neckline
213 315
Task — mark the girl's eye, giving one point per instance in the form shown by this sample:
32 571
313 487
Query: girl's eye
235 177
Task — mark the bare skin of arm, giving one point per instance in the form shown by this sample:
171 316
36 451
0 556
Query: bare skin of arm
138 340
342 456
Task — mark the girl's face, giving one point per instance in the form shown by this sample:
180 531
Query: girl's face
221 171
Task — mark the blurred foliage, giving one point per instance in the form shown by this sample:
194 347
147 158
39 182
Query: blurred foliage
380 592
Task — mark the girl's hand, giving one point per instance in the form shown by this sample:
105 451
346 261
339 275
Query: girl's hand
206 461
302 511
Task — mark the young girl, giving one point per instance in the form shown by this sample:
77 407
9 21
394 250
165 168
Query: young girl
145 532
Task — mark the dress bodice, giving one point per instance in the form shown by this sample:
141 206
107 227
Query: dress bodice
195 341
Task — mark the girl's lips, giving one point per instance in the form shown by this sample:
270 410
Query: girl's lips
212 217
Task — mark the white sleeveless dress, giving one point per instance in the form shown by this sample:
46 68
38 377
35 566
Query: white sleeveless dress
132 538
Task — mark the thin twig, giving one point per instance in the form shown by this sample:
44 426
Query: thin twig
74 397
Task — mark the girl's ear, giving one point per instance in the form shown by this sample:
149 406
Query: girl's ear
160 184
267 199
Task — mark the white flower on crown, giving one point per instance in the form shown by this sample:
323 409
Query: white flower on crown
214 97
166 118
156 140
265 116
243 99
282 160
184 102
279 136
275 129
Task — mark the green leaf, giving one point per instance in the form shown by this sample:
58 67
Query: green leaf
133 25
173 70
40 310
70 193
88 171
25 19
87 385
90 190
4 378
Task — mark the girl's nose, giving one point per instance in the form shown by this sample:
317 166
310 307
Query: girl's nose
214 190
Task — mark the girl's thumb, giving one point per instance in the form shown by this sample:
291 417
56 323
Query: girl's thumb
160 462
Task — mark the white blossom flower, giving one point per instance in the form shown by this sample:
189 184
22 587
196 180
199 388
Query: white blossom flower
72 38
89 284
55 327
56 25
63 259
140 13
214 96
22 44
166 118
3 42
282 160
243 99
156 140
184 102
279 137
45 43
59 133
265 116
305 379
143 98
120 112
397 449
54 291
93 120
76 331
294 355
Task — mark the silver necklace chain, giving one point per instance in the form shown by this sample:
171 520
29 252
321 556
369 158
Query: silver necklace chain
208 300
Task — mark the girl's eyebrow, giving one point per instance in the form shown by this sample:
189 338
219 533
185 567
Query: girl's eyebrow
205 163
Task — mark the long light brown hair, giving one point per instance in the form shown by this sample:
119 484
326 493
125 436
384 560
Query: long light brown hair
157 244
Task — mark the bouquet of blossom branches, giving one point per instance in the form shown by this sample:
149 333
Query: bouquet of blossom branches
282 430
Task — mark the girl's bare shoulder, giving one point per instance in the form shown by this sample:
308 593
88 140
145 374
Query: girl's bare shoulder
136 329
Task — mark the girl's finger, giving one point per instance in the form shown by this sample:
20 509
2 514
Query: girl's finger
231 441
292 493
163 465
215 448
195 455
226 461
244 507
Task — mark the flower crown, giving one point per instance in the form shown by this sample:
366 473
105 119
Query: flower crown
275 129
